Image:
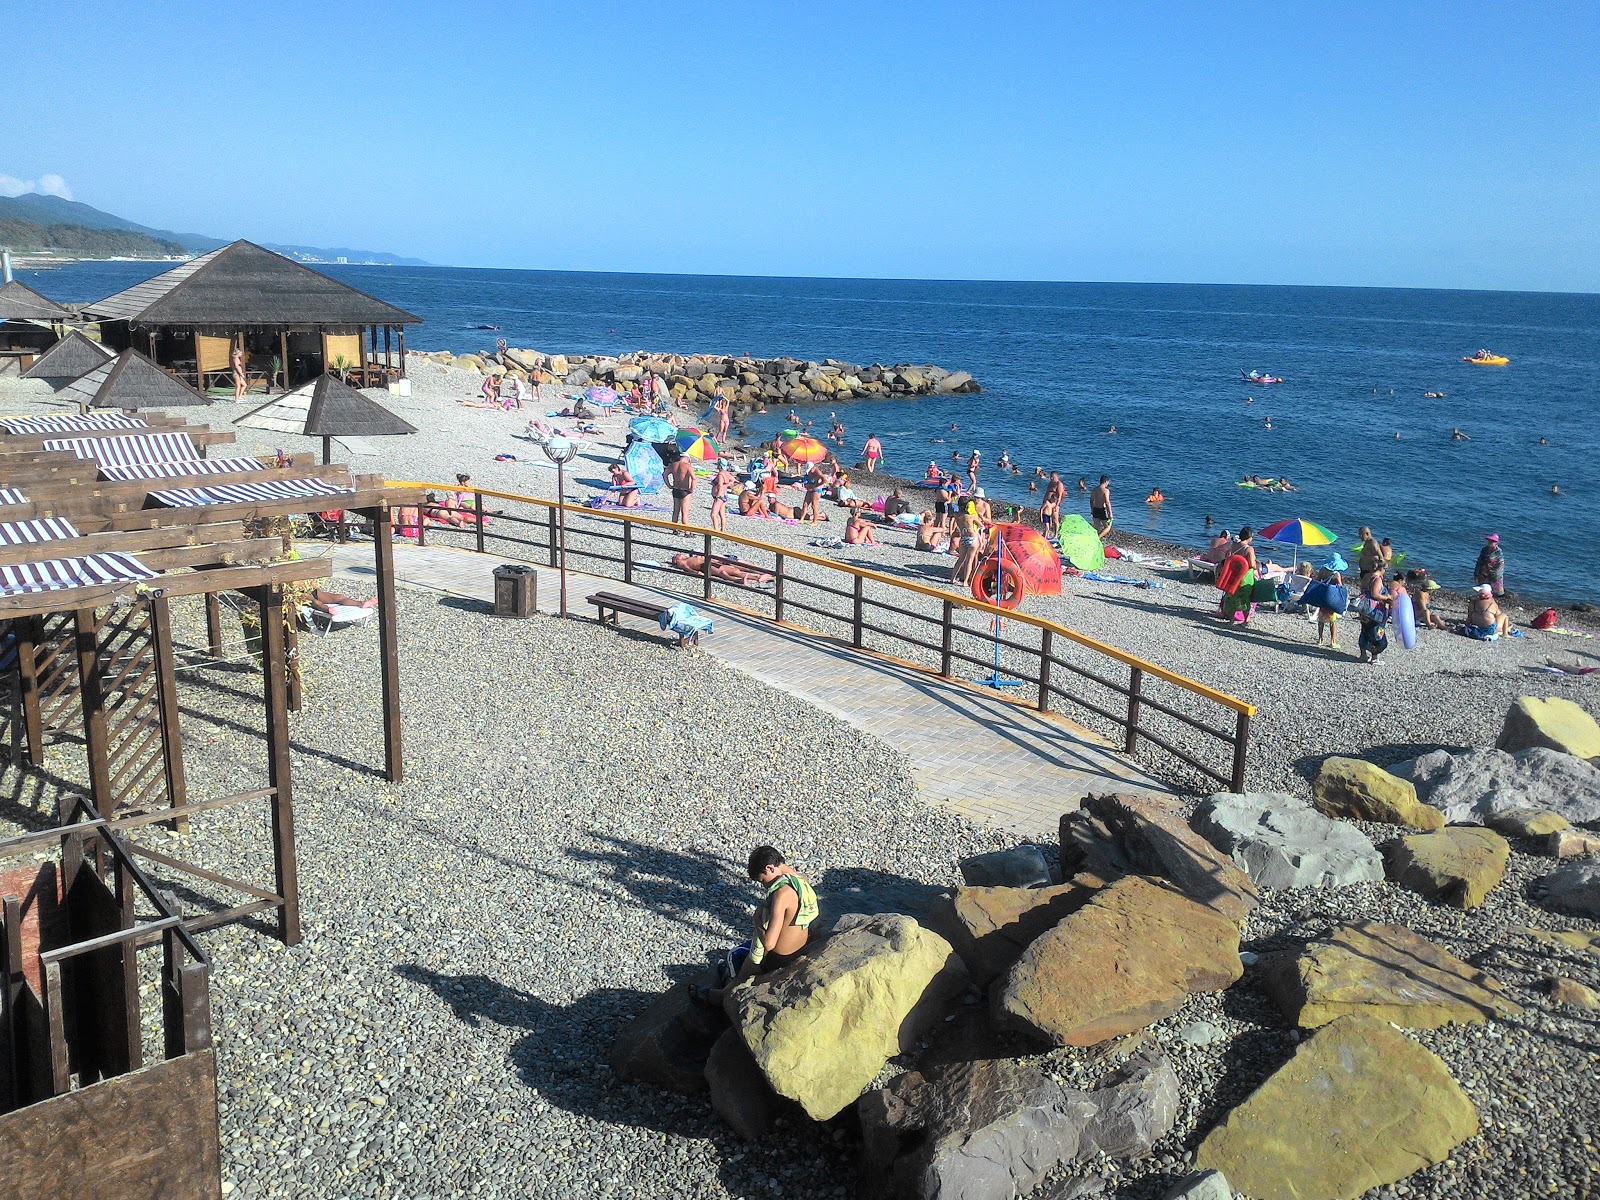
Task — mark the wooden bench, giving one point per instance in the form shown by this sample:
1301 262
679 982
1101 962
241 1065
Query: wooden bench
634 606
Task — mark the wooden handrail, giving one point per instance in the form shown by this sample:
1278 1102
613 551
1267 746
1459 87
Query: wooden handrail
1133 661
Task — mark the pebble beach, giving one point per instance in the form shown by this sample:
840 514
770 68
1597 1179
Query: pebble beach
569 842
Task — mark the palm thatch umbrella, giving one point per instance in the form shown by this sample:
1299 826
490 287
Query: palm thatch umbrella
73 357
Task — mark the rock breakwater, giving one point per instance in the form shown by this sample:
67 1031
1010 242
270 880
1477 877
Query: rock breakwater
749 383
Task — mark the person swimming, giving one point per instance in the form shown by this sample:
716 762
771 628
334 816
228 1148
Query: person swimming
1155 496
1267 424
1113 429
1457 436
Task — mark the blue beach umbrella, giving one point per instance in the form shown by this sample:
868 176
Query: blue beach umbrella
653 429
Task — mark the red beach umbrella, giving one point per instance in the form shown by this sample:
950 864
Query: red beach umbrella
804 450
1021 561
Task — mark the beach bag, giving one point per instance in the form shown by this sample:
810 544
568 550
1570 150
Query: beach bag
1337 599
1546 620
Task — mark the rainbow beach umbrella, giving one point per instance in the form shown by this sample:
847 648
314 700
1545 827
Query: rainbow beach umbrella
1298 532
697 447
804 450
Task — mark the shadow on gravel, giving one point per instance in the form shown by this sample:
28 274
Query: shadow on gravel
467 604
682 886
561 1057
30 795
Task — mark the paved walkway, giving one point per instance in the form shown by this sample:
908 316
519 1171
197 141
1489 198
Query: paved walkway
996 762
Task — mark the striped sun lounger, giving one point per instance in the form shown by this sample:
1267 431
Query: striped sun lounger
246 493
12 496
75 424
189 466
47 529
128 450
58 573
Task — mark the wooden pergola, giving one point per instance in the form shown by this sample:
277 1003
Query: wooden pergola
103 525
190 320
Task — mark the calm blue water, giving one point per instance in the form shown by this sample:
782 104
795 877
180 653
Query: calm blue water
1062 362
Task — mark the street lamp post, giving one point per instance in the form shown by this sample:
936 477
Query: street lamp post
561 451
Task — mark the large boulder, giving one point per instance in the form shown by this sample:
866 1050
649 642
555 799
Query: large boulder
1527 822
1360 1105
558 365
1572 843
1356 789
1131 956
1458 866
1152 832
952 382
1204 1185
1381 971
1574 888
1282 842
668 1043
1020 866
997 1127
990 927
1478 784
1553 723
740 1093
823 1028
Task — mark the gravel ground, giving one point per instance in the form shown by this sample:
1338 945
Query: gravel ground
475 935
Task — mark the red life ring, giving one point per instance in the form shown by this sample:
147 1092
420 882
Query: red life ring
1231 573
1012 584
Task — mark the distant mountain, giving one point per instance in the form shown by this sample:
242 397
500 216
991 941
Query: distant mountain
80 241
54 213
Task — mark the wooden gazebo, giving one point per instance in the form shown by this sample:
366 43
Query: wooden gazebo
292 322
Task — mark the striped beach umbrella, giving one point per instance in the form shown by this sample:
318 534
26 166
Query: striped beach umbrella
604 397
697 446
804 450
1299 533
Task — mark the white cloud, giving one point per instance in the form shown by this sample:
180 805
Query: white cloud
46 185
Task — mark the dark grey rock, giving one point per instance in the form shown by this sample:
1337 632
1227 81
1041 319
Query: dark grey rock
1207 1185
740 1093
1023 866
668 1043
1282 842
1575 888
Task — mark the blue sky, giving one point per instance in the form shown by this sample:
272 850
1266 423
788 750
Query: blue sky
1392 144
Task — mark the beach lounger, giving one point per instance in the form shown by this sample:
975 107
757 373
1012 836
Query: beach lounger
343 616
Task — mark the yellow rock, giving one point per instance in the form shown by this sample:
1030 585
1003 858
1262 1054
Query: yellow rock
1553 723
1358 790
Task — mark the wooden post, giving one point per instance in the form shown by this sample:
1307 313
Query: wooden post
855 618
279 771
371 357
327 449
777 588
627 550
706 567
291 642
1043 704
1130 739
388 362
947 631
552 513
96 740
477 509
11 982
28 630
214 625
167 707
283 356
1241 740
389 643
402 340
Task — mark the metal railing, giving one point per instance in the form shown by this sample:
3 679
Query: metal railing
1150 711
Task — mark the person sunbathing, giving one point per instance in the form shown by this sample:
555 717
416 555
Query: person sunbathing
929 536
858 532
331 603
725 569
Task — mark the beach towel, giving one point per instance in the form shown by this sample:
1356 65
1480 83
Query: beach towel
828 543
1099 577
685 620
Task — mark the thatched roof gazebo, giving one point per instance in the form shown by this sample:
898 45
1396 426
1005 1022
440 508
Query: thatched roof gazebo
73 357
327 408
130 381
292 322
29 325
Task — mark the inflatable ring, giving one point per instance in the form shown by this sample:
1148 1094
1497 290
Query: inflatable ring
1012 586
1231 574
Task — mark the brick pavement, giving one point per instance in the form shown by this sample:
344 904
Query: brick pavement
995 761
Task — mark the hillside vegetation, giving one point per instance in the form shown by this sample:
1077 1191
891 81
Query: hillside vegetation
82 242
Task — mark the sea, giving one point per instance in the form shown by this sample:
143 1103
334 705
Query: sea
1061 364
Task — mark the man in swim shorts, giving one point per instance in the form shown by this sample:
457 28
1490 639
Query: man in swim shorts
1100 505
680 478
1050 510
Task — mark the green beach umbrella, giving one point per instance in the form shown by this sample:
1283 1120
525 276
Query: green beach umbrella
1080 544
